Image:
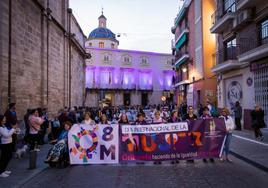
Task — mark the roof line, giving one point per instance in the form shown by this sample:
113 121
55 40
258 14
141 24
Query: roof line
125 50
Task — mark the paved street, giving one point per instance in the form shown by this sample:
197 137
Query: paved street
236 174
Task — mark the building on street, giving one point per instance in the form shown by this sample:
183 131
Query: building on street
124 77
242 58
193 48
42 55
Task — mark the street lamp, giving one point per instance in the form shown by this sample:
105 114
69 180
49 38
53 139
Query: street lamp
184 69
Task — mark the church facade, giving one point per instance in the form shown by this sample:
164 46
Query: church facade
124 77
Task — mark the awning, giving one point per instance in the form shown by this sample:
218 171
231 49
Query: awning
181 41
181 61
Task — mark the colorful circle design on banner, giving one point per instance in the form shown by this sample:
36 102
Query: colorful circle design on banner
86 153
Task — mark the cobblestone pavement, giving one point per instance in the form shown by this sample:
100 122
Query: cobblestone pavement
218 174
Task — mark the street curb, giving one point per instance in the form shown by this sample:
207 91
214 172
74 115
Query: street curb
249 161
20 184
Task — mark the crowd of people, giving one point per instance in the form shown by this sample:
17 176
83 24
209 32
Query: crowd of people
38 124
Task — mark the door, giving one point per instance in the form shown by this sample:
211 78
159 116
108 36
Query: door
144 99
127 99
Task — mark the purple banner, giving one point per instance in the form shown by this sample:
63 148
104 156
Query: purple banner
193 140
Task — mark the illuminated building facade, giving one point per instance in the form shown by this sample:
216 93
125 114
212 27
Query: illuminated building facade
124 77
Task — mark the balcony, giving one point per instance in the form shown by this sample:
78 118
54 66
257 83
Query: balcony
173 44
254 48
242 4
182 12
173 29
180 41
227 60
221 20
182 58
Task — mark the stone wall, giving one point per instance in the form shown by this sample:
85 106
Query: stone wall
35 64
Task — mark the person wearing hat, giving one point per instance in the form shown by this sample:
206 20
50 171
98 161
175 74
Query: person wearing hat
11 120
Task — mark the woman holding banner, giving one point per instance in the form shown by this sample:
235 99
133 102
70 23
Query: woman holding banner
87 119
157 118
123 120
206 115
141 119
104 119
190 116
230 126
174 117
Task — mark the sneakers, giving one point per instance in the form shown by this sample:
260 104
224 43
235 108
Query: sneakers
4 175
7 172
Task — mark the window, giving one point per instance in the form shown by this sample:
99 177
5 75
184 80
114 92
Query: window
106 58
231 43
101 45
231 50
112 45
264 31
229 6
126 59
144 61
90 44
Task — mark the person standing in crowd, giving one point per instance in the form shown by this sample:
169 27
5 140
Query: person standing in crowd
141 119
257 117
158 118
206 115
238 115
190 116
123 119
174 117
35 123
55 129
200 110
72 116
6 146
104 119
229 123
87 119
63 117
183 109
27 127
11 120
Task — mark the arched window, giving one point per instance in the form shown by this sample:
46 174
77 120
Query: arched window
90 44
112 45
101 44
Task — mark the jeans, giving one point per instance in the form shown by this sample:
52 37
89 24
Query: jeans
227 144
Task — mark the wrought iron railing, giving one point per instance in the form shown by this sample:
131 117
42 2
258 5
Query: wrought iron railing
220 12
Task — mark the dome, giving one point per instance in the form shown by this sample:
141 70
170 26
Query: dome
102 32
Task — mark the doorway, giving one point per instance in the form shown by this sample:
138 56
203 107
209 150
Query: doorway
144 99
126 99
